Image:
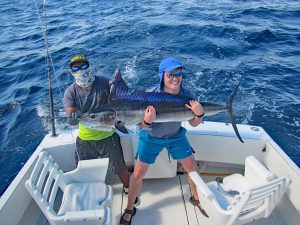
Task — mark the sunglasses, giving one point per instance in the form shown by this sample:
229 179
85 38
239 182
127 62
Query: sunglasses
77 68
176 74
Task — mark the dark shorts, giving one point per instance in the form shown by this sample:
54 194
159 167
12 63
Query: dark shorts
149 147
106 148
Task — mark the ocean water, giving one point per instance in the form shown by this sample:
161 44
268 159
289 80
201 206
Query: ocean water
220 43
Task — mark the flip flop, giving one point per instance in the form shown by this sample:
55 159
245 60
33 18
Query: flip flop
128 211
197 204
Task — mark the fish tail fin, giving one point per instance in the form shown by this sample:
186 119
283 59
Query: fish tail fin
230 111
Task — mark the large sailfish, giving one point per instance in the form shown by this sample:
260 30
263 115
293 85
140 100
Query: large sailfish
127 106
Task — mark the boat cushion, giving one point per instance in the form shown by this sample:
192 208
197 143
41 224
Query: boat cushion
234 182
83 196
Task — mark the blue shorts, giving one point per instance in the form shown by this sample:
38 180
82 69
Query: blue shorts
149 147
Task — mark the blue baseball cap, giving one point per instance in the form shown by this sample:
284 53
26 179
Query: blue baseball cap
166 65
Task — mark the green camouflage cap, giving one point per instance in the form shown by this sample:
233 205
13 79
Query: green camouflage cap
78 58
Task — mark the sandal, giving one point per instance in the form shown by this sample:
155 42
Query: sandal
197 203
128 211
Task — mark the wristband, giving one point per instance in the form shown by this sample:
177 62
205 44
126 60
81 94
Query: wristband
146 123
200 116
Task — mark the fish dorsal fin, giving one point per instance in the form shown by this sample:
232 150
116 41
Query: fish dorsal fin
118 87
120 91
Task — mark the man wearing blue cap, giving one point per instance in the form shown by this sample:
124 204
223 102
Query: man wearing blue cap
167 134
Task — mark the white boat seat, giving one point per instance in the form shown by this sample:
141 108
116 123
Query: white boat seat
79 197
241 199
86 198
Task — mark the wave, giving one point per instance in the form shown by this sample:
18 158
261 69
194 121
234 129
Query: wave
220 43
264 36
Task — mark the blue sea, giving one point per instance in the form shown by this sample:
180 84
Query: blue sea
220 43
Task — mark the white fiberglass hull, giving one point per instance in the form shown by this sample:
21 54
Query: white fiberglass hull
164 199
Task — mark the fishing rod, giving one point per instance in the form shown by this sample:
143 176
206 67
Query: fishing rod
48 73
49 62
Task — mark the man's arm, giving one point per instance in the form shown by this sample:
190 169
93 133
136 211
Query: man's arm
72 116
195 121
197 109
149 117
70 110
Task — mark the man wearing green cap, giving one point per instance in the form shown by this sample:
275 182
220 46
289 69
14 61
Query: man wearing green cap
86 95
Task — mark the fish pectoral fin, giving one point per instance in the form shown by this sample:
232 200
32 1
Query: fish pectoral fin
120 126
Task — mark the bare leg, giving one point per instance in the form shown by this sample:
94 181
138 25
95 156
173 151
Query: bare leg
189 164
135 185
124 177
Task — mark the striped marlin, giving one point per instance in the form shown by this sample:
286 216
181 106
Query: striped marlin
127 107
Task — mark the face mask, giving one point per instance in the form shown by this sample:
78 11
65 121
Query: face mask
84 78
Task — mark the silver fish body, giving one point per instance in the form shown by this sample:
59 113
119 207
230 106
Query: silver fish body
132 112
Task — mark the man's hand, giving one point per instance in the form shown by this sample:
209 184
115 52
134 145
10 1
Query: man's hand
150 115
72 118
196 107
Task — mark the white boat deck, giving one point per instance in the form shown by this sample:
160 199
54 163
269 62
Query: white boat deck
166 201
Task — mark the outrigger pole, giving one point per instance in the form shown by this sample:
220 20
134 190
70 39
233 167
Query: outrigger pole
48 73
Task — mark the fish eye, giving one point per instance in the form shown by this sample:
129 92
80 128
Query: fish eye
92 115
